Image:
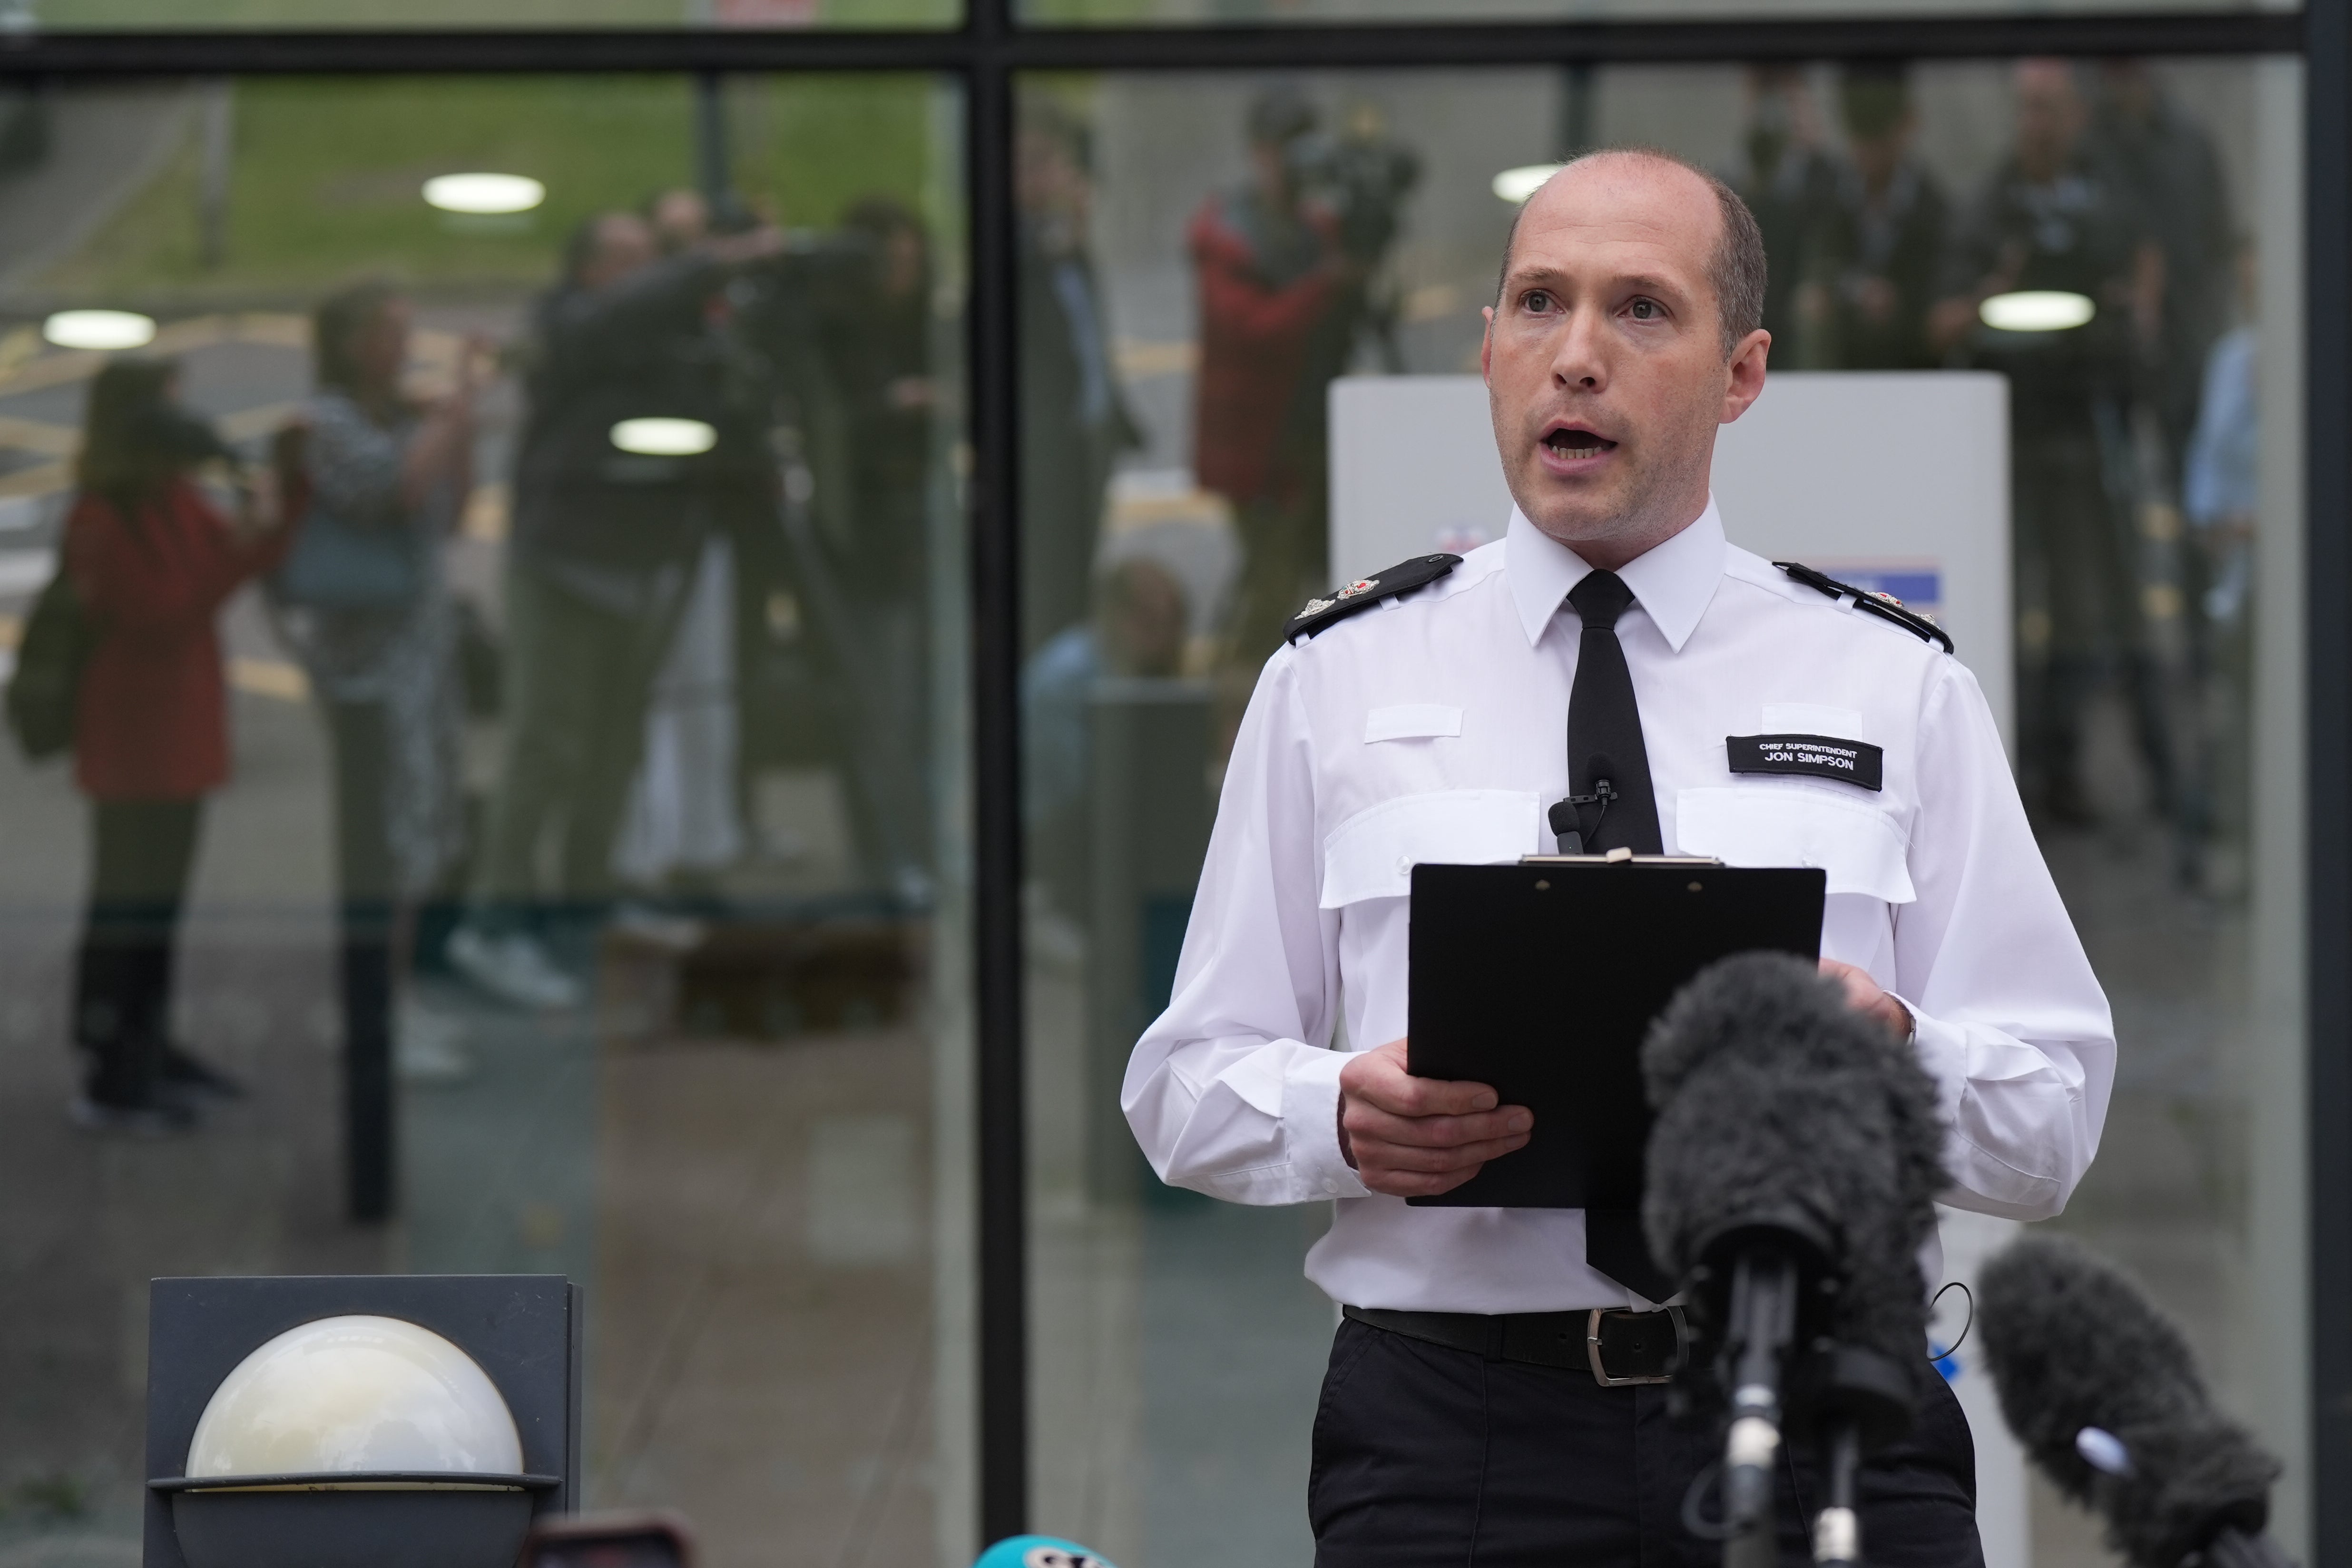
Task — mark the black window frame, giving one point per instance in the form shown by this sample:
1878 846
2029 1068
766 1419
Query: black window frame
988 53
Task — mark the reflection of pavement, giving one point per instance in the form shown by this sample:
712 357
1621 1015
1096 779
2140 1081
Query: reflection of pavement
85 1223
760 1349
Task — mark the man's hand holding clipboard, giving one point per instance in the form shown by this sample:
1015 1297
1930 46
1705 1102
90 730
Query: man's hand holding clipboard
1417 1137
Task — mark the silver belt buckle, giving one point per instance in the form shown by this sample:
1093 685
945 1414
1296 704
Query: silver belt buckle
1593 1346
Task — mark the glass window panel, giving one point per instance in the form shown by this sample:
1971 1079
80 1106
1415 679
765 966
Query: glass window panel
568 766
74 15
1244 13
2143 643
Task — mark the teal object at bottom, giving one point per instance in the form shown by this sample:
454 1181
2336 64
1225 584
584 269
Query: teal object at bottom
1039 1551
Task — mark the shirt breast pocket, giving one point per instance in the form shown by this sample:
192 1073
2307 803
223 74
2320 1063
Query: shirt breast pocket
1371 855
1863 849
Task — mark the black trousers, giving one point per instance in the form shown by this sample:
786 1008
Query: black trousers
141 854
362 747
1426 1456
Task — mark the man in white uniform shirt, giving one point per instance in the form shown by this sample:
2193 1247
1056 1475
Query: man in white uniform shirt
1463 1418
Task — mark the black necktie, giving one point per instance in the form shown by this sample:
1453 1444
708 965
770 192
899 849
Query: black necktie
1609 801
1610 806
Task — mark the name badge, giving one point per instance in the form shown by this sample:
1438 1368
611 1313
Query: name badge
1812 756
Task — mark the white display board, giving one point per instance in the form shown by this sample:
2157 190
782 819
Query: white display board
1894 481
1898 481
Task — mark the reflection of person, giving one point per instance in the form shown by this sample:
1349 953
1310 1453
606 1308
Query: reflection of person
604 547
2049 219
680 219
1790 184
1278 300
1073 420
877 340
2221 491
386 671
1614 612
876 333
1137 629
153 560
2147 144
1879 250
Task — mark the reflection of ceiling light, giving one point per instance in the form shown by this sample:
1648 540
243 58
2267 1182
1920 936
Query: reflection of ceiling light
2036 310
100 330
664 437
1516 186
484 193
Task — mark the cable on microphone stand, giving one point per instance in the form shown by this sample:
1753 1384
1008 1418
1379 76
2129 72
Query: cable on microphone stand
1937 1299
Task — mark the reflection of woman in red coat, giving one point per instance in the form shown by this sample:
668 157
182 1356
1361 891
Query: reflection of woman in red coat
153 560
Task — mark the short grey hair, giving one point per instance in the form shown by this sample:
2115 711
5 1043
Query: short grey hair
1737 271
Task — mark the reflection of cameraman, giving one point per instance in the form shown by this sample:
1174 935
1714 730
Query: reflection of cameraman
604 544
1282 293
1363 178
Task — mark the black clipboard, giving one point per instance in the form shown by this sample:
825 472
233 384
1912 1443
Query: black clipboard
1541 979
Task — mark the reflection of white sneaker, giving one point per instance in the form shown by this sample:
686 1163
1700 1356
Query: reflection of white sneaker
428 1047
513 968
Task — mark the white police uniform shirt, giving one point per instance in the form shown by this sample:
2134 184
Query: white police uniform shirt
1432 727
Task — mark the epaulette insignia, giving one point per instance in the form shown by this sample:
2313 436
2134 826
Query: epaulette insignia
1886 606
1321 614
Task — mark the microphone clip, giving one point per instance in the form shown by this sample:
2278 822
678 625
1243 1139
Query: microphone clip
1567 816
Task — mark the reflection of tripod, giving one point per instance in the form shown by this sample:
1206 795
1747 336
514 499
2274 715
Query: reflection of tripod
885 788
1764 1290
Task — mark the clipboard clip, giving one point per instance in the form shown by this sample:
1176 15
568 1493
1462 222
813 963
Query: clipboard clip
1619 857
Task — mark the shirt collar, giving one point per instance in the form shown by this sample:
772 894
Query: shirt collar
1674 582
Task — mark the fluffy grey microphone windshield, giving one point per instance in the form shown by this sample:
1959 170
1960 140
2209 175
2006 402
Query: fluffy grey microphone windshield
1772 1094
2073 1344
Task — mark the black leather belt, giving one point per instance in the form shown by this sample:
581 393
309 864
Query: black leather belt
1618 1346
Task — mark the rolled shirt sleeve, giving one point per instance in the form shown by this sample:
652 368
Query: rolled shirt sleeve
1230 1091
2012 1025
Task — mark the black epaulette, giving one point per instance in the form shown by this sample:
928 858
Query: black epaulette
1884 606
1321 614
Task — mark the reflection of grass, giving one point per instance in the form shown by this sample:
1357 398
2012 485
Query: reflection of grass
815 144
326 175
67 14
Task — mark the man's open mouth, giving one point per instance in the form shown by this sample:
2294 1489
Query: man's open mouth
1567 443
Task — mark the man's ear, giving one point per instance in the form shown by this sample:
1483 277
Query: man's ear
1487 346
1745 380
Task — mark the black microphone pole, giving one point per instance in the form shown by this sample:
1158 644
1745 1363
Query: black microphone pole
1753 1281
1761 1331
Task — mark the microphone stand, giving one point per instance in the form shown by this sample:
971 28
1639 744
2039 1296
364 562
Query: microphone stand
1837 1529
1763 1324
1857 1400
1763 1289
1758 1285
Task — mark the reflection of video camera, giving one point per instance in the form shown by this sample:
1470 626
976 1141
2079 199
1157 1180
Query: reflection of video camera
809 257
1364 178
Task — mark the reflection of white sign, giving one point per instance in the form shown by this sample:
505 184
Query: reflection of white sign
1894 482
1915 584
